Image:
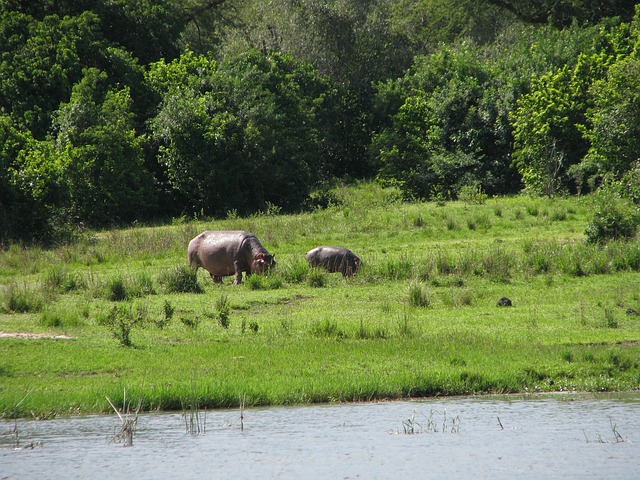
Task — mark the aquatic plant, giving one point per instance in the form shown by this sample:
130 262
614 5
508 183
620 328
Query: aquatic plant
128 424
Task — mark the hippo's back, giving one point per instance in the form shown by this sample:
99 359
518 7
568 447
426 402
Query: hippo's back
334 259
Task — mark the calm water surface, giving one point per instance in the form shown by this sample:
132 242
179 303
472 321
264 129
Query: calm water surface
496 437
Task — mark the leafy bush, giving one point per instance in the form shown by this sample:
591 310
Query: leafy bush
472 194
121 320
168 311
614 219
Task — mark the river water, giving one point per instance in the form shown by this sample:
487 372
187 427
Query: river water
470 437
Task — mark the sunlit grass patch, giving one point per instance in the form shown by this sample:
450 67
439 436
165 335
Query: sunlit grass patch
301 334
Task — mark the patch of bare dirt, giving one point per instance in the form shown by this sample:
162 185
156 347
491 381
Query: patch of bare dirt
31 335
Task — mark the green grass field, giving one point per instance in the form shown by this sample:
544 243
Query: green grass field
419 319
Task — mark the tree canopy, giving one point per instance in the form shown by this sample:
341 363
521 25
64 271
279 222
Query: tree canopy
119 111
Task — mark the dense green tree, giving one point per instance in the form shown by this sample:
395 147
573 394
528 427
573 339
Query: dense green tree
547 139
563 13
449 131
21 215
552 124
242 133
351 41
40 63
101 154
615 120
149 29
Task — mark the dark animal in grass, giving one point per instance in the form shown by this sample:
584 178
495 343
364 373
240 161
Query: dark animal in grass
228 252
504 302
334 259
631 311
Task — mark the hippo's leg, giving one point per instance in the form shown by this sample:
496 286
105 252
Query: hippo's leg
216 278
236 266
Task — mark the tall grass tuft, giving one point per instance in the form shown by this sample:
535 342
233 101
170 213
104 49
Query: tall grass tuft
327 328
499 264
222 310
116 289
194 419
404 328
264 282
295 272
418 295
316 278
142 285
182 279
59 279
610 318
54 316
256 282
398 268
22 299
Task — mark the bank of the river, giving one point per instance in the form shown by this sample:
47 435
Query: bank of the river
419 319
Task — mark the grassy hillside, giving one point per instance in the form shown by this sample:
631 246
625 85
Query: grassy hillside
108 314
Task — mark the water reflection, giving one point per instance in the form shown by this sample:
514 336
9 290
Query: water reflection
497 437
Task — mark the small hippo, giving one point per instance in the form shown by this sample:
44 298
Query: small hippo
334 259
227 252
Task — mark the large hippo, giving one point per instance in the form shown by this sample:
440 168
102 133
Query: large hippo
227 252
334 259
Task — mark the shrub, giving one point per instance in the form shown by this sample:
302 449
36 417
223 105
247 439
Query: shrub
121 320
613 220
168 315
191 322
472 194
181 279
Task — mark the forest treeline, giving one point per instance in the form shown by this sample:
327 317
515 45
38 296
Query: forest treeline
117 111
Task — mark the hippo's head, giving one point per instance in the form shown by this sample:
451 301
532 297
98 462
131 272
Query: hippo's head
262 262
